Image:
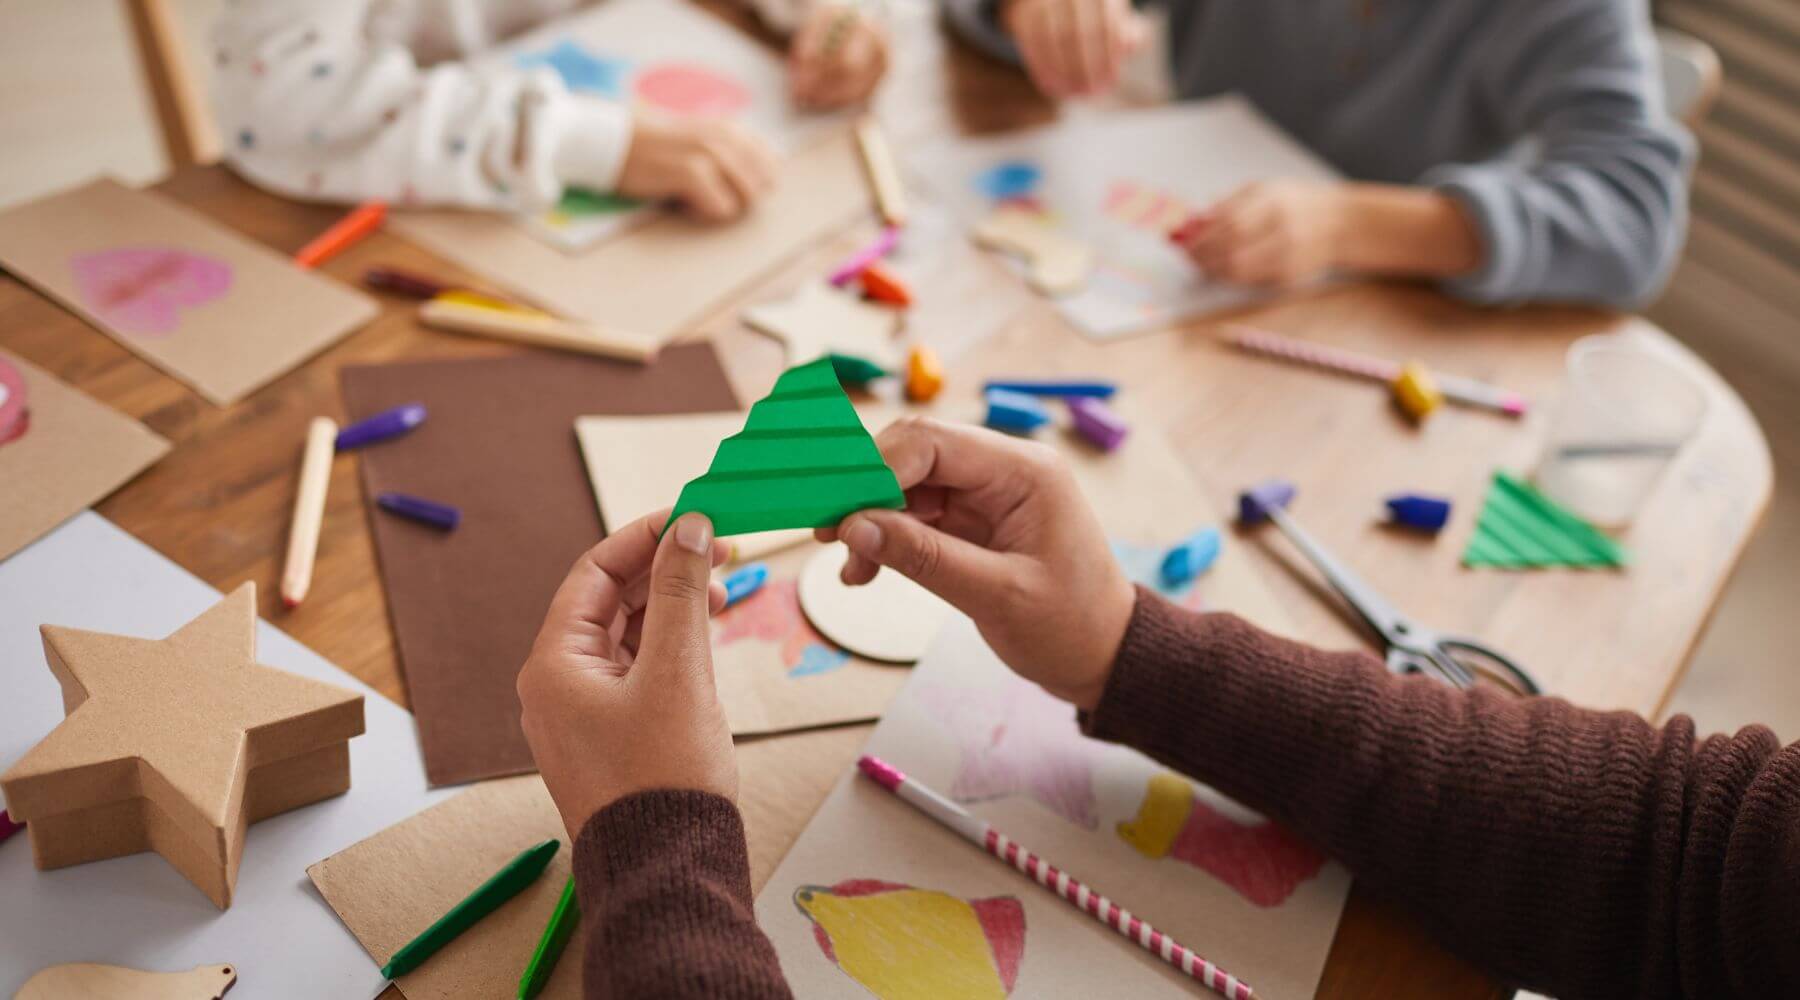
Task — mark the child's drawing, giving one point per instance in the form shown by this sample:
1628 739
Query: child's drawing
1009 180
15 418
142 290
687 89
1261 861
1017 738
902 943
773 615
1143 206
581 71
1143 564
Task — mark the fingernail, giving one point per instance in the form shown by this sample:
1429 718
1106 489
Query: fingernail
864 538
694 533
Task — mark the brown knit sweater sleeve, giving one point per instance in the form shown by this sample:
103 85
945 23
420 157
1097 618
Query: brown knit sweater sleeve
663 879
1575 852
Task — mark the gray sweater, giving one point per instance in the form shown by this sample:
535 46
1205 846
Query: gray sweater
1544 118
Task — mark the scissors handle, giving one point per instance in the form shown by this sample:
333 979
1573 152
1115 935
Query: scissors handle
1493 663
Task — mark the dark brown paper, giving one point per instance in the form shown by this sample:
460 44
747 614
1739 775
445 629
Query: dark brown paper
499 444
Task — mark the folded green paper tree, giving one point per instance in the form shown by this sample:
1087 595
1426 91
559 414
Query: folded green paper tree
1520 528
803 460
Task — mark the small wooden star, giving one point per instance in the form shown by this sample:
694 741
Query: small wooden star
175 745
820 319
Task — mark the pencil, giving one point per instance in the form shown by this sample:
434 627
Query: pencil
362 220
884 177
541 330
1466 391
487 897
976 831
550 947
309 510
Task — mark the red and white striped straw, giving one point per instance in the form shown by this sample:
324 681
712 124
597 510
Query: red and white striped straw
977 831
1304 352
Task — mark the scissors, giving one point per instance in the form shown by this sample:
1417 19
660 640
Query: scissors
1411 648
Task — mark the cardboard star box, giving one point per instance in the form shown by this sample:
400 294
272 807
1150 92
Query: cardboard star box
176 745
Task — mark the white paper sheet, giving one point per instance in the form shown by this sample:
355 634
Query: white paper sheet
1120 180
137 910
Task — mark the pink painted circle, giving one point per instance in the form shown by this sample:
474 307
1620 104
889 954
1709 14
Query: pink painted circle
686 89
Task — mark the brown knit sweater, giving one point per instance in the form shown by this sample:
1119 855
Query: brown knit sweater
1579 853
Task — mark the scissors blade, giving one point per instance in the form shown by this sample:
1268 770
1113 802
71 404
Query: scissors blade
1374 609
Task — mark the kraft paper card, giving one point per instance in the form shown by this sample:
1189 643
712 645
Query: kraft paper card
666 274
500 447
59 451
185 293
138 911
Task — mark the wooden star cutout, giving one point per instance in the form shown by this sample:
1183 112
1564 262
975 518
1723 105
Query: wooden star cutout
820 319
176 745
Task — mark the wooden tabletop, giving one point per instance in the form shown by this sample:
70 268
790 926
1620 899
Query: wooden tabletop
219 503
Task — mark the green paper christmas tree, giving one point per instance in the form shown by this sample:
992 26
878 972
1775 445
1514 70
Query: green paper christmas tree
803 460
1521 528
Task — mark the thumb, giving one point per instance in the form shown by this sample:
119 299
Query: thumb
959 571
676 633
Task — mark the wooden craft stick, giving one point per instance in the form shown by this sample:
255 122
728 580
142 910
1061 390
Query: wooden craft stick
543 331
550 947
487 897
362 220
884 177
309 510
976 831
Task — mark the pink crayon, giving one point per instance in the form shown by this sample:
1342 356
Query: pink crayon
1456 388
977 831
861 259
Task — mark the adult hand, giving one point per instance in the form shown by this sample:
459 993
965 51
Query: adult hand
1074 48
617 693
838 56
714 168
1276 234
997 527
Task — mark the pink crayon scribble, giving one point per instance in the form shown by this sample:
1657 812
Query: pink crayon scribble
15 416
1261 861
772 614
142 290
691 90
1015 739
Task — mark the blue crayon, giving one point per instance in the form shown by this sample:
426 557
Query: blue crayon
1014 411
1419 511
438 515
381 426
744 582
1194 556
1055 387
1254 503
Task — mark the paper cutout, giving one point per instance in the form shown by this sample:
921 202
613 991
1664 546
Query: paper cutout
890 618
580 203
691 89
581 71
1056 263
772 614
1017 738
15 414
803 460
1521 528
92 981
1262 861
229 742
902 943
820 319
143 290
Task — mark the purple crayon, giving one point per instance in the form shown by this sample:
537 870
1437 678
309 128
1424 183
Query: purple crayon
381 426
1254 503
438 515
1097 422
1419 511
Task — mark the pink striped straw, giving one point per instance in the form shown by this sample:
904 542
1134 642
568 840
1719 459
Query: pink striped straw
861 259
977 831
1467 391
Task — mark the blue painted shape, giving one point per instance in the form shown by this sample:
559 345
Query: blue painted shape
818 658
1419 511
1254 502
1192 557
1014 411
1010 179
581 70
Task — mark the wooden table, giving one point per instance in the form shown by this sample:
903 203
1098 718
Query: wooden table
219 503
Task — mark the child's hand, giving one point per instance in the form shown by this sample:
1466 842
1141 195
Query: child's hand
1074 48
618 690
715 168
997 527
838 56
1270 233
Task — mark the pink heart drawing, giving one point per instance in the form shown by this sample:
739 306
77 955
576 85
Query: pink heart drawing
15 419
142 290
692 90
